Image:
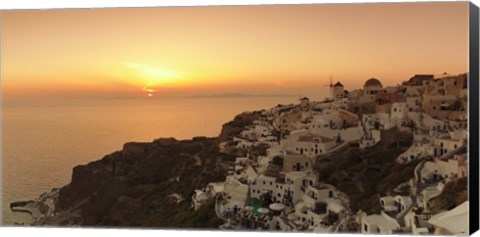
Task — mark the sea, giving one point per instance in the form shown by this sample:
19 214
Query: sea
43 142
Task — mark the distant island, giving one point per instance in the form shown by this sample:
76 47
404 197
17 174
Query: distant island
378 159
237 95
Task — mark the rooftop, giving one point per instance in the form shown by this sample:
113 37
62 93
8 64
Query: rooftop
312 138
373 82
382 220
337 84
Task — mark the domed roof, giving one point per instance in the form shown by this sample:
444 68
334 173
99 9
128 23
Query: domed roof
372 82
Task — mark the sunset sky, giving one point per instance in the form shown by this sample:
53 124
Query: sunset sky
210 50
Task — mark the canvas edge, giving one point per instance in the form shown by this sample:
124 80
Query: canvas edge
473 118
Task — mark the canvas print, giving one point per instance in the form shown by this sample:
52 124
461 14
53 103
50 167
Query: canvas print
324 118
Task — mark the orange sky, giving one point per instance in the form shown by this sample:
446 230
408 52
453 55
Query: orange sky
252 49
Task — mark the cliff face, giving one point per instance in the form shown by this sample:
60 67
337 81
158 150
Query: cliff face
133 187
366 174
237 125
453 194
141 184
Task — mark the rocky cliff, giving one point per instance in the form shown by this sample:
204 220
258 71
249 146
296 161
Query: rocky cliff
147 184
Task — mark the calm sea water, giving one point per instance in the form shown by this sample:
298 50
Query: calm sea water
42 143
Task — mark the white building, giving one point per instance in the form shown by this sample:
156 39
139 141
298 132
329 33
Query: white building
263 162
294 182
304 102
399 110
304 143
417 222
319 193
234 197
199 198
297 163
243 142
397 204
413 99
379 224
445 145
437 170
263 184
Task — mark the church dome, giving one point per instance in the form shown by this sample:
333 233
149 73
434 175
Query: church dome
372 82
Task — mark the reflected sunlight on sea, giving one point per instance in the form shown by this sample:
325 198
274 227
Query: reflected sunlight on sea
41 144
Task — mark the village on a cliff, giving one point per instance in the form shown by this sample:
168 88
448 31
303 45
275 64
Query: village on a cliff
381 159
285 188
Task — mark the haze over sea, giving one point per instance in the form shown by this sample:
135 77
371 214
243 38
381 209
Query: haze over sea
43 142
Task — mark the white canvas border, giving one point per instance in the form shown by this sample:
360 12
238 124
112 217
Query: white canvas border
59 4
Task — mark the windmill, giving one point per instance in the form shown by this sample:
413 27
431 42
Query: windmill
331 82
445 74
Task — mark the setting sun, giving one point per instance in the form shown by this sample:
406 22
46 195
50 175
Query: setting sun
259 50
